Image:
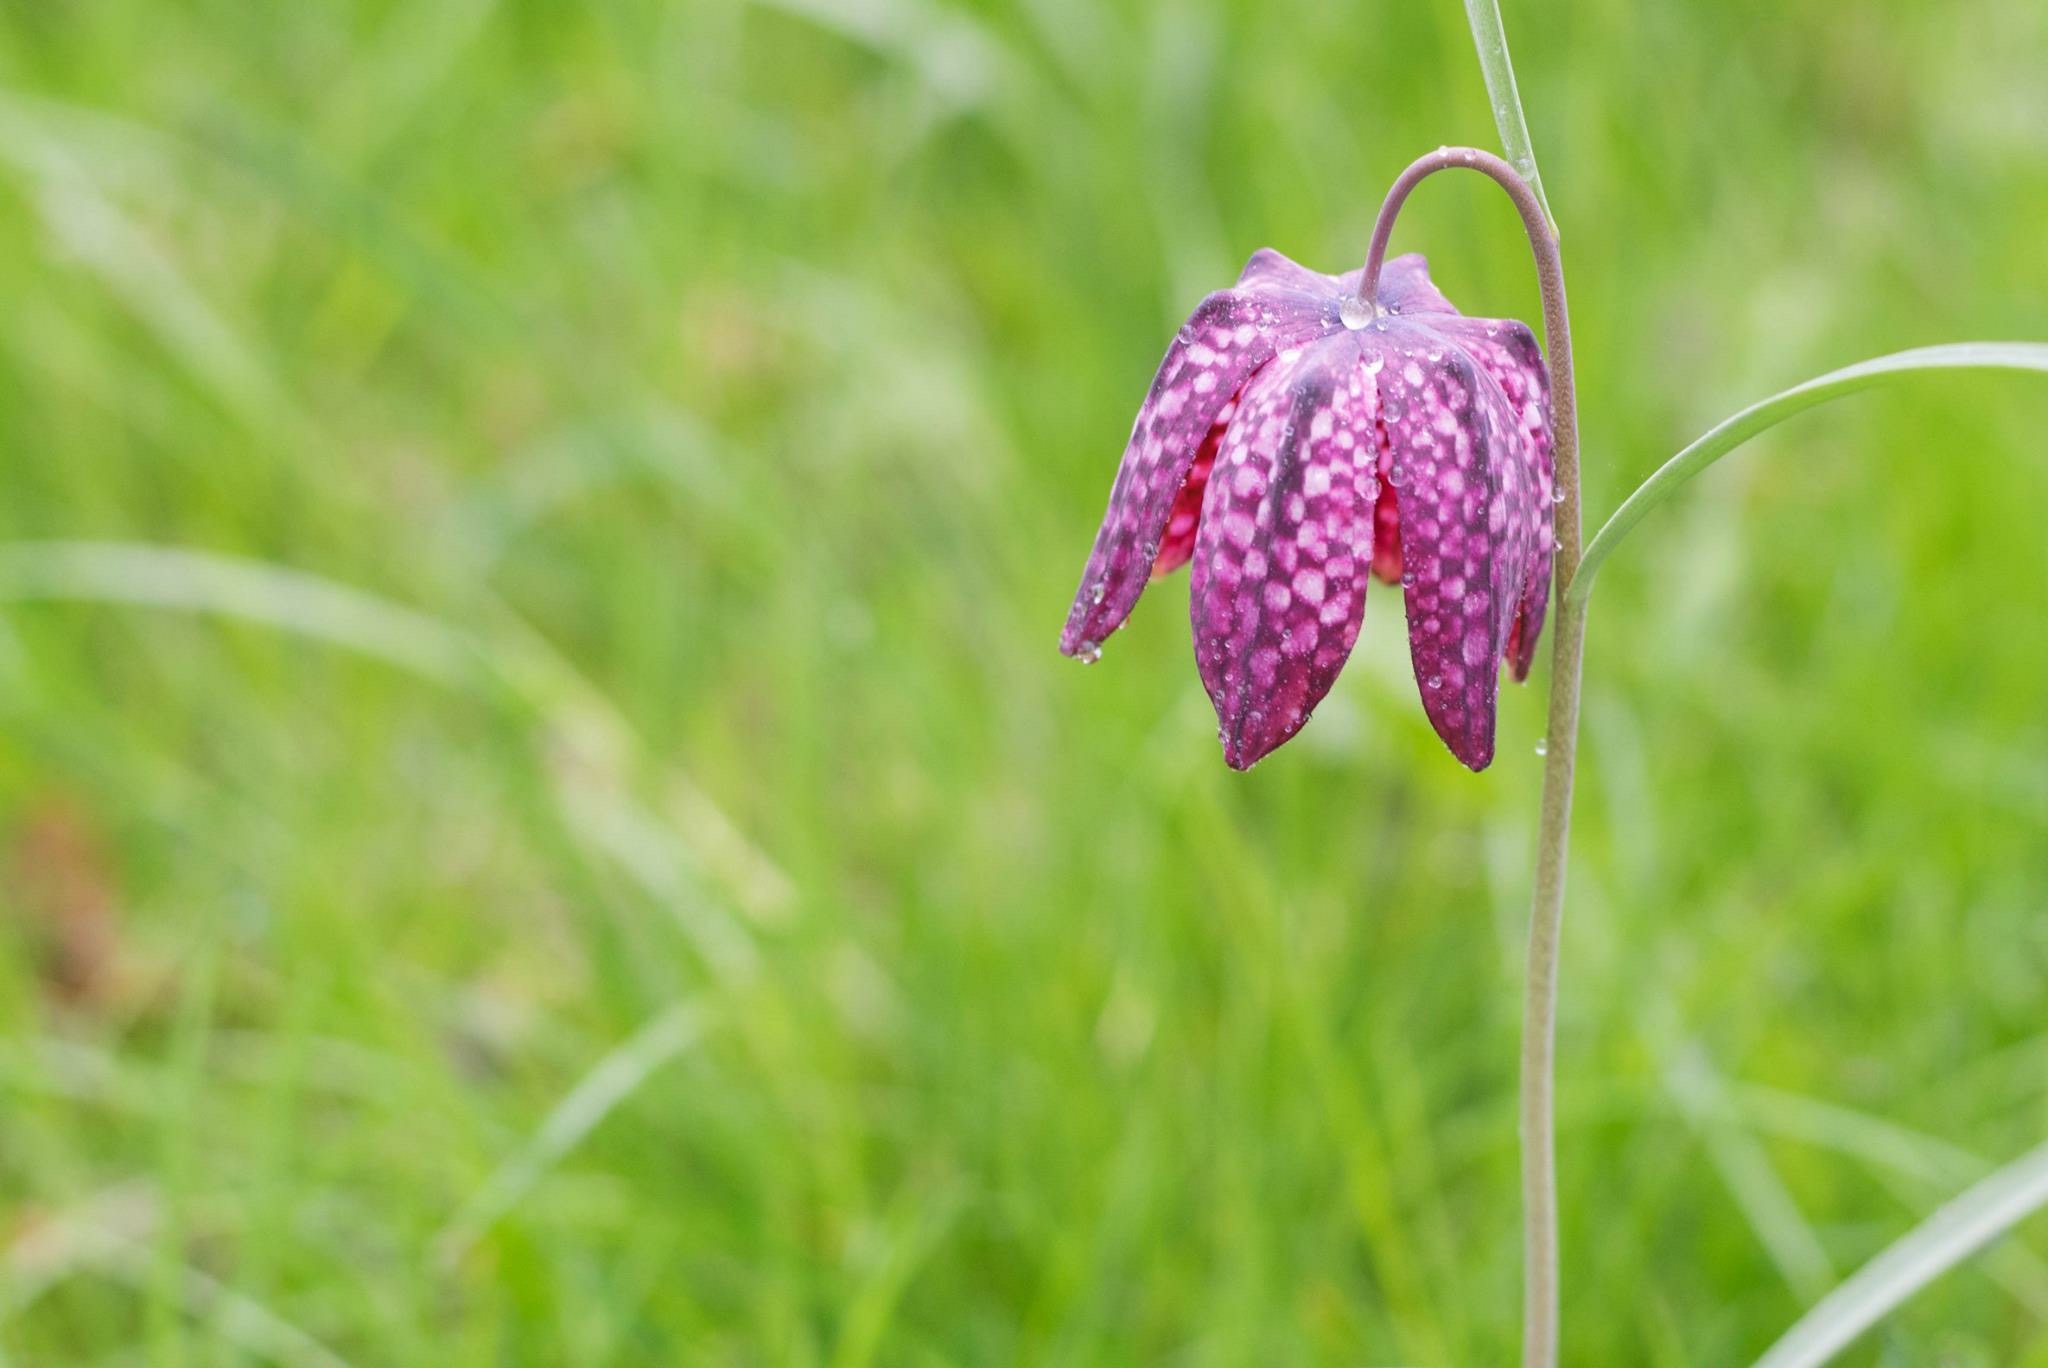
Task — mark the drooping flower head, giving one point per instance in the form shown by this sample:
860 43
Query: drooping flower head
1298 439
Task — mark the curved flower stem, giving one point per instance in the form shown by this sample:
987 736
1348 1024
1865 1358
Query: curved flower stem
1539 1017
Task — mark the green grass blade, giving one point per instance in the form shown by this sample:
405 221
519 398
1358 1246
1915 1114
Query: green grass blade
197 581
1938 1244
1768 413
509 655
1491 39
600 1092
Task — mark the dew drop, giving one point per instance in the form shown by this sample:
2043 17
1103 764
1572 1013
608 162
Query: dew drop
1436 681
1557 495
1095 594
1542 746
1354 312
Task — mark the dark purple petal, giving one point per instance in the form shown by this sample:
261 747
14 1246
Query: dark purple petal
1507 351
1284 545
1405 288
1281 279
1231 334
1470 510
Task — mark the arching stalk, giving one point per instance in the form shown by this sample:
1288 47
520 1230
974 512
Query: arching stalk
1539 1015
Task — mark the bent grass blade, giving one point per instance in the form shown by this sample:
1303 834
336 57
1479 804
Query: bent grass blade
1953 1233
1760 417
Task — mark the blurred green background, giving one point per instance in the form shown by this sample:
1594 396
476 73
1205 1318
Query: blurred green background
541 822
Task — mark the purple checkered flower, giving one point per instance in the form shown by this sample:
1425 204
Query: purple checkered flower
1297 439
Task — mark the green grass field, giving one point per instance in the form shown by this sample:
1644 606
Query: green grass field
541 820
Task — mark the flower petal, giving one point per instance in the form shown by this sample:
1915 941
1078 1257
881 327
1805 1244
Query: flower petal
1405 287
1469 511
1272 275
1284 545
1507 351
1386 528
1231 334
1179 542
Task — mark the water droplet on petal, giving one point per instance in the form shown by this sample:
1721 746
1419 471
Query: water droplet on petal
1436 681
1354 312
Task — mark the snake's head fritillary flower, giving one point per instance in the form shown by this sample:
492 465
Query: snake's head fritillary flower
1298 439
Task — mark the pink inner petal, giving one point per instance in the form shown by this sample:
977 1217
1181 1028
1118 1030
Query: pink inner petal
1386 517
1179 542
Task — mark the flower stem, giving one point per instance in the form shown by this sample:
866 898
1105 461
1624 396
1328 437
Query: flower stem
1568 639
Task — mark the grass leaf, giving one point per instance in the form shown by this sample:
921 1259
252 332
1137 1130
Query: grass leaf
1732 432
1939 1243
1491 39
